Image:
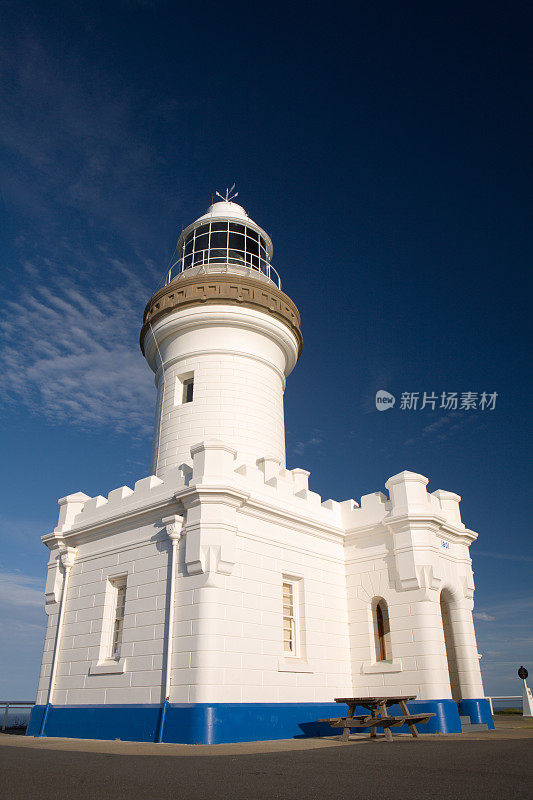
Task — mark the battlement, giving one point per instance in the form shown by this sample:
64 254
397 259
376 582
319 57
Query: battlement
79 510
214 463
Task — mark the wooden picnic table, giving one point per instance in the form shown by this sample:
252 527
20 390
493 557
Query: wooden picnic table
378 716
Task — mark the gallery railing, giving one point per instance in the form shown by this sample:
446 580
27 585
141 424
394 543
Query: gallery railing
215 260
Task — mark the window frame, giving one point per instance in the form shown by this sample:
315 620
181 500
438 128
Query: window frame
294 617
187 384
118 616
198 248
180 388
107 663
381 625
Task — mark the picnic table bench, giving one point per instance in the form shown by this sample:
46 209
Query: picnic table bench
374 719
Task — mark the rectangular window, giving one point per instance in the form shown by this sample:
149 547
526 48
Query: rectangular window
118 617
290 618
188 390
184 389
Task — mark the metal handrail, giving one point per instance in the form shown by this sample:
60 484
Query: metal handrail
13 704
503 697
204 258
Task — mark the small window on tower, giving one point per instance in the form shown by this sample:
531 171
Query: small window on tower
188 390
184 389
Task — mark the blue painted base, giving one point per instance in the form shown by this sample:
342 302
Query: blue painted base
478 710
133 723
217 723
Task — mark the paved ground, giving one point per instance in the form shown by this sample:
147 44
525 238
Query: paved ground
496 764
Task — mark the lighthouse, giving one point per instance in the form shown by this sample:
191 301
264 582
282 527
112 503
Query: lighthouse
221 598
221 338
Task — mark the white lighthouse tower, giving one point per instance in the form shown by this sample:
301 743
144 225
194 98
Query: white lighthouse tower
220 599
221 338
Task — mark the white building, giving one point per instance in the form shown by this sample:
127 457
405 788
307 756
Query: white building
221 599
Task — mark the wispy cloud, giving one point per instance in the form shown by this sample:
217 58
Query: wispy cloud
505 643
444 427
504 556
313 441
76 163
71 353
75 138
439 424
21 590
505 609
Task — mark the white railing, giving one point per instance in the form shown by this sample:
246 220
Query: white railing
239 258
7 704
503 697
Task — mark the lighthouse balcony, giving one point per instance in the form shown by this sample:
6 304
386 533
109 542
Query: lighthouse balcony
234 262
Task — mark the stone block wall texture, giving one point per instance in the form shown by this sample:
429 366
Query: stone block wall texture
227 631
237 399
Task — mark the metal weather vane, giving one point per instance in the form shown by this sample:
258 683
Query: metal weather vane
228 196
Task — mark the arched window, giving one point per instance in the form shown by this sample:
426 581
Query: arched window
381 630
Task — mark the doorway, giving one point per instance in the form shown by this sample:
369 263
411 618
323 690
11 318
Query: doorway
450 644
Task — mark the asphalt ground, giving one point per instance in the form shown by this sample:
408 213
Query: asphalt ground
473 765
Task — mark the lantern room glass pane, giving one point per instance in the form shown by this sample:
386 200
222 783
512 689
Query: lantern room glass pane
219 239
236 241
201 243
252 246
222 241
218 256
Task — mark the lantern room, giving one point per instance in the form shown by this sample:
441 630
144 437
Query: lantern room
225 239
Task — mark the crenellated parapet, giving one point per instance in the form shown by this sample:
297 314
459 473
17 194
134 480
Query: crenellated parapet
408 507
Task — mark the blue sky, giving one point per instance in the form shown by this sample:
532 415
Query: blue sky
384 147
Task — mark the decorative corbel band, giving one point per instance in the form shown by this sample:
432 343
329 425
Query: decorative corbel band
67 556
241 290
174 527
61 556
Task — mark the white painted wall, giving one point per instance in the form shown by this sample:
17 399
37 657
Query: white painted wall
246 528
231 647
240 358
145 564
